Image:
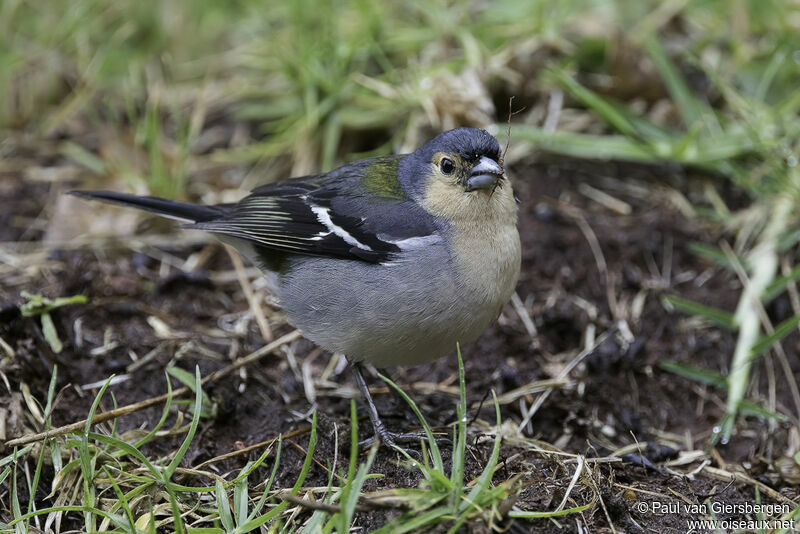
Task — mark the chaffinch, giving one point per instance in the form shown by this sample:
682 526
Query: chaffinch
389 260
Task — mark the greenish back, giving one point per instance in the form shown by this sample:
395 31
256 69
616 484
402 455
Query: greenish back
380 178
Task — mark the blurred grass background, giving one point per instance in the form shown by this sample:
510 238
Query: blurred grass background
321 82
317 83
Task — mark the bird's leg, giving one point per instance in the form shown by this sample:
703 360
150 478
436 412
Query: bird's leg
381 432
375 419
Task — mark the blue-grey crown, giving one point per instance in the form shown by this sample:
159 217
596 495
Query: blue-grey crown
470 143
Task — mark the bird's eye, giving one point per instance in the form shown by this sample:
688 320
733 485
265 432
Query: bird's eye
447 166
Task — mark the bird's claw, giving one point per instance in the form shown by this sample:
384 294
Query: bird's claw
394 439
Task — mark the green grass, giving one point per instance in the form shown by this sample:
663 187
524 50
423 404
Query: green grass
124 491
309 76
442 497
40 306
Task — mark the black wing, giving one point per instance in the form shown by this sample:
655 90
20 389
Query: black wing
328 215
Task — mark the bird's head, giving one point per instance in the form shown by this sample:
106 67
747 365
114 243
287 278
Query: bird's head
457 171
466 159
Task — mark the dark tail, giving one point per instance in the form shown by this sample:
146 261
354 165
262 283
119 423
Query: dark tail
182 211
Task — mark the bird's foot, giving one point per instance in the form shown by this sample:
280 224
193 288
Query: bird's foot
382 434
395 439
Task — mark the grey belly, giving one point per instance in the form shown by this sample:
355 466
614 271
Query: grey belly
408 312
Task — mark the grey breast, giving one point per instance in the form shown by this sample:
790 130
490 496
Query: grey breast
396 313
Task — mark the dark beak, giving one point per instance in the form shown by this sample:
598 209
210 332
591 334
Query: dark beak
486 174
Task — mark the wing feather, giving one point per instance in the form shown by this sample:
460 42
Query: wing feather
327 215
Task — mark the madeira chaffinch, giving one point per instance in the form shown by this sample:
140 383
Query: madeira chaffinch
389 260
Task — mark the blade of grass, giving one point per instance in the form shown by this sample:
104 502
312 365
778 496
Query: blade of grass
224 508
781 331
263 499
609 113
692 109
764 263
312 443
35 484
519 514
345 516
715 315
164 414
460 441
354 487
240 500
697 374
585 146
16 509
249 468
486 476
122 499
87 462
750 408
187 441
438 464
712 253
780 284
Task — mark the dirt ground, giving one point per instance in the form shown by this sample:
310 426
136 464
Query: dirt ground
589 272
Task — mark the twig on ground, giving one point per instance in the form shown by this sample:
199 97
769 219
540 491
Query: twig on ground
254 446
726 476
249 294
311 505
525 317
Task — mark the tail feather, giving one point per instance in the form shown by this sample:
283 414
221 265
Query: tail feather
181 211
